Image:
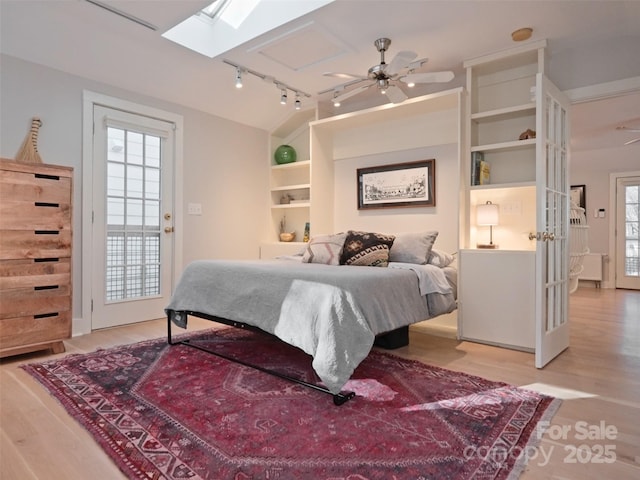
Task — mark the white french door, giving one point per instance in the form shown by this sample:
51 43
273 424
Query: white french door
552 247
132 230
628 233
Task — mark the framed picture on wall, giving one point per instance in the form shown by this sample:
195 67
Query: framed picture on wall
410 184
578 196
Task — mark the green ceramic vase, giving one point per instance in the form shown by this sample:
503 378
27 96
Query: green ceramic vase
285 154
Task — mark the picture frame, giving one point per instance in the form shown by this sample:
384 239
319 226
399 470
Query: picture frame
578 195
408 184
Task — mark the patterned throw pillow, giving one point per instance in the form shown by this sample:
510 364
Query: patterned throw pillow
324 249
366 249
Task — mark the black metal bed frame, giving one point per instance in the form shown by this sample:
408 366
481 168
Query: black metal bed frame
338 398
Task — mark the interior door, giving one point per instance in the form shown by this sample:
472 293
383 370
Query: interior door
132 234
628 233
552 246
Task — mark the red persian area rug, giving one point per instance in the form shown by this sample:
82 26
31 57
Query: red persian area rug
175 412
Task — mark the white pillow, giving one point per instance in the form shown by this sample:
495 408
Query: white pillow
440 259
324 249
412 247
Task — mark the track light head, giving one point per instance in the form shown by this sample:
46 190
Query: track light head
238 78
298 103
336 102
283 97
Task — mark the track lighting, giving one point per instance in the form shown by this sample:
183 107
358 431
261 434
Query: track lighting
240 71
336 102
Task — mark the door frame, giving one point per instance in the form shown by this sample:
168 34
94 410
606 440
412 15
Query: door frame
610 281
89 99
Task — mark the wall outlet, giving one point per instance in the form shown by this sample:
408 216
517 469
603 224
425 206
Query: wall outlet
194 209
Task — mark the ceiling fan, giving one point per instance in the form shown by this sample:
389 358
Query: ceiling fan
386 75
627 129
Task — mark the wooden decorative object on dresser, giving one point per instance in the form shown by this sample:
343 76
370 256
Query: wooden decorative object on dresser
35 257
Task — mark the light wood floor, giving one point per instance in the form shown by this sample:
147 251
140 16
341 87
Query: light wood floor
598 377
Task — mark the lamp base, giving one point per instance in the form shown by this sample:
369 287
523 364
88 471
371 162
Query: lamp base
486 245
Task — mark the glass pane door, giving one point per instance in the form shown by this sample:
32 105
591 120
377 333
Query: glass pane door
133 215
132 231
628 236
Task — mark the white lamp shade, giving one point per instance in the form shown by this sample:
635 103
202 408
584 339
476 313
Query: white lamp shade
487 214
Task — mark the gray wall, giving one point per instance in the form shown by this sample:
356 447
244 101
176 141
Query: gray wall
225 165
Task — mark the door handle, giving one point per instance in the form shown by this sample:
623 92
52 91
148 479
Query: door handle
542 236
168 229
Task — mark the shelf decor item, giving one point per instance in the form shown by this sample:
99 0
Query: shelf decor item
487 215
527 134
287 236
28 152
306 232
285 154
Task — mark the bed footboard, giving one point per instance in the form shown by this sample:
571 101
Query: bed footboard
338 398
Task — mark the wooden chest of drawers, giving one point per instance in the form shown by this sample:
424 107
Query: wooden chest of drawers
35 257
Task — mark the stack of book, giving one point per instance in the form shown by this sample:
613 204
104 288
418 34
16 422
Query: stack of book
480 169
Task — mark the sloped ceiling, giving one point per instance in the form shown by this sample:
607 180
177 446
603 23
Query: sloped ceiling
589 43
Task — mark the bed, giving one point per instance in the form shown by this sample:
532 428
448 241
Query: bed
332 312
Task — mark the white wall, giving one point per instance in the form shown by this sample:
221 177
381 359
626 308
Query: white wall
224 162
443 217
592 168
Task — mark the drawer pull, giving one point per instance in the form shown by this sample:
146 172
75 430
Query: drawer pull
46 287
47 232
48 177
47 204
46 315
40 260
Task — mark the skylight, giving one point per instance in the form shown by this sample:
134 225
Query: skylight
225 24
232 12
213 8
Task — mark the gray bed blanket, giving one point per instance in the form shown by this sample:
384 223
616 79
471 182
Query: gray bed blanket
332 313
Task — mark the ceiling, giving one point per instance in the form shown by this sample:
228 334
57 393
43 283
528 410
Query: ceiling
590 42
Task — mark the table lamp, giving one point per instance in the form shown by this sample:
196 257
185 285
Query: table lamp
487 215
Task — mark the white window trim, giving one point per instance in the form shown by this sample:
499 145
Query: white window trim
89 99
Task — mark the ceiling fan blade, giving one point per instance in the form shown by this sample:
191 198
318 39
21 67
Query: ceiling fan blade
351 93
395 94
429 77
343 75
400 61
632 141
